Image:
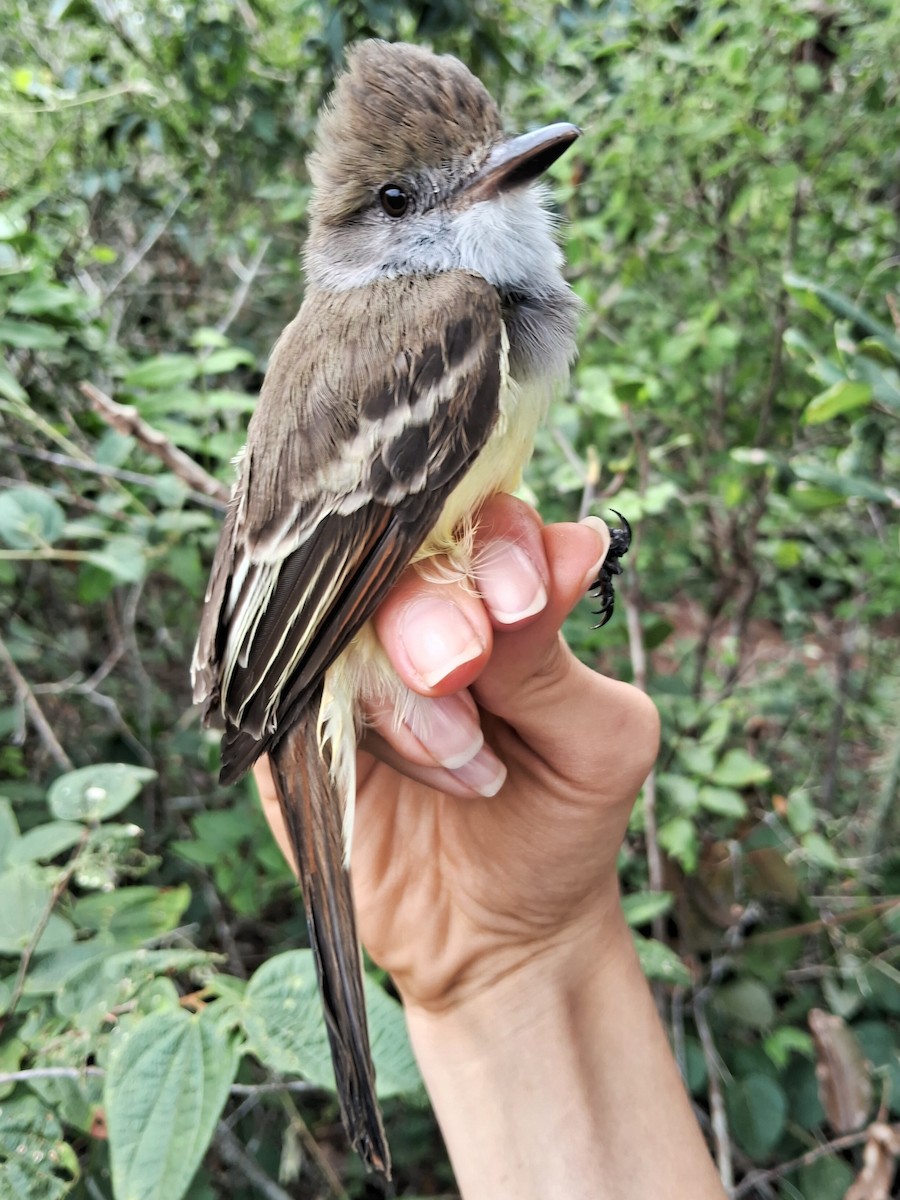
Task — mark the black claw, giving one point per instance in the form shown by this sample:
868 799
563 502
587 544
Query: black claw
602 589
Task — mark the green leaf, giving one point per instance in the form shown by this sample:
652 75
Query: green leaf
24 898
641 908
42 298
841 397
10 388
725 802
757 1108
282 1016
396 1071
29 518
94 793
46 841
133 915
30 335
163 371
678 838
680 791
849 486
697 760
93 990
122 557
844 308
746 1001
35 1162
226 359
167 1083
738 770
782 1043
818 850
828 1178
660 962
801 815
9 832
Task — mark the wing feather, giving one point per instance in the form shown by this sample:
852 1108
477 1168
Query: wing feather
374 407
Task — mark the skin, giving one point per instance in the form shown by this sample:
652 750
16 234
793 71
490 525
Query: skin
499 917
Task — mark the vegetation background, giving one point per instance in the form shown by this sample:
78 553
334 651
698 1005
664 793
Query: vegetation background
731 221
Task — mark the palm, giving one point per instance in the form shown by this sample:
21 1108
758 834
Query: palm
451 892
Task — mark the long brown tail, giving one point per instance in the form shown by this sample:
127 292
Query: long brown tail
313 814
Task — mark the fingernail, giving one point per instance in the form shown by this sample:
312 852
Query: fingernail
448 728
437 639
602 530
485 774
510 583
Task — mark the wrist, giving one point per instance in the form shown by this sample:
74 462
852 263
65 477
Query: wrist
512 1070
556 1082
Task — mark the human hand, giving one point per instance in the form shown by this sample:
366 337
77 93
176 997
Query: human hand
455 890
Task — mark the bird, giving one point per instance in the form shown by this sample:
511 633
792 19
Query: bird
435 328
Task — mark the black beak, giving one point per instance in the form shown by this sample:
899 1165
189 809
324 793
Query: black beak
520 160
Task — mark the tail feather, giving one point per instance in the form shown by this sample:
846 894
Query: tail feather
314 817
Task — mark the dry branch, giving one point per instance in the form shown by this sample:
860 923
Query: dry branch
126 419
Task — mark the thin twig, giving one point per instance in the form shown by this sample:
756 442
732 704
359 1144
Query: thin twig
128 420
28 953
886 802
297 1086
234 1155
313 1149
34 710
49 1073
101 469
717 1113
246 275
847 1142
146 244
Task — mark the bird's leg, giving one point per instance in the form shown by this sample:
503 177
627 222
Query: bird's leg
602 588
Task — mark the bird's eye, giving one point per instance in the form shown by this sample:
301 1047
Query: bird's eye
394 200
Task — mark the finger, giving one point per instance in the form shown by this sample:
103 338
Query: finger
580 722
436 732
484 775
436 633
510 564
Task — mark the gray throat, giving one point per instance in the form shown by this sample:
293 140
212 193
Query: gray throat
541 331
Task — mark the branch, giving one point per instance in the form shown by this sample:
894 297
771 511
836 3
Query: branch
147 242
237 1089
847 1142
34 710
28 953
102 469
234 1155
126 419
246 275
49 1073
717 1114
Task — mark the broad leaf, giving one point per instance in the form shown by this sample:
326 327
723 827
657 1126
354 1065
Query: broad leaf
167 1083
282 1016
35 1162
95 793
757 1108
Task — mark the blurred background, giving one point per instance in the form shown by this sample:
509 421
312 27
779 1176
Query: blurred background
731 219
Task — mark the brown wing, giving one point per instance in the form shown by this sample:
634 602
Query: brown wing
375 404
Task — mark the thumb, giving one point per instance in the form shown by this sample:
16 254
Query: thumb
534 682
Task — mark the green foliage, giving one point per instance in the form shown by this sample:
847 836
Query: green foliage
730 218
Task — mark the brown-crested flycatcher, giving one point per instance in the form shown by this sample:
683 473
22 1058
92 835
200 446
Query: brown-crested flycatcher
435 328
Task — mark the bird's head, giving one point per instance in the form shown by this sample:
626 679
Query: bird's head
413 175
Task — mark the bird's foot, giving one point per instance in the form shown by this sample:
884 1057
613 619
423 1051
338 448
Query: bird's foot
602 588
